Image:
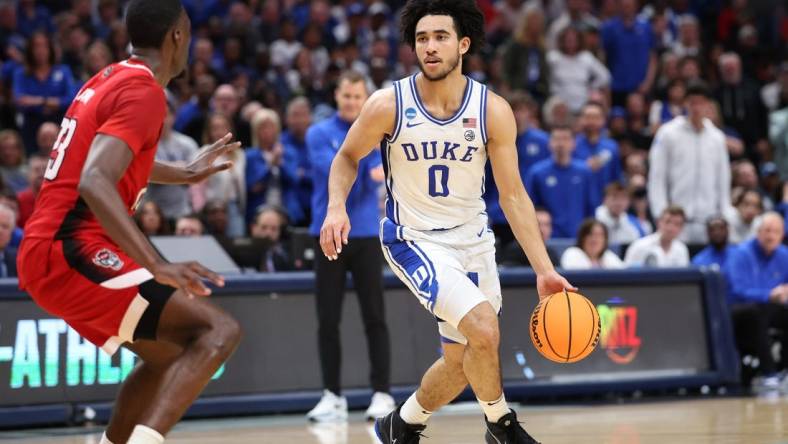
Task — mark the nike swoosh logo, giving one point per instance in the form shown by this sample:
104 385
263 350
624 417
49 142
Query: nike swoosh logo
480 235
411 124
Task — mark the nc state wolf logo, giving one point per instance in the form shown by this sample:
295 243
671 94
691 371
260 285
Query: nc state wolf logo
108 259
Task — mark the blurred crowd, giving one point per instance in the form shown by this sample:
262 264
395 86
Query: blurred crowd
646 129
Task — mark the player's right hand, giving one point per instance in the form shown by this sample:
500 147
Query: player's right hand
188 277
334 233
552 282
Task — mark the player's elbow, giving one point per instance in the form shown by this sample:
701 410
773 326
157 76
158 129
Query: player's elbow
90 183
512 198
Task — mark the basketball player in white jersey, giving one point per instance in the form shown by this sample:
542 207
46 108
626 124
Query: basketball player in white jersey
436 131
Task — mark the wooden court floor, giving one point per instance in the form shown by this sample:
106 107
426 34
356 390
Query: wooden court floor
701 421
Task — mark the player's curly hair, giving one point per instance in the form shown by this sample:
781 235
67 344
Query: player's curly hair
468 19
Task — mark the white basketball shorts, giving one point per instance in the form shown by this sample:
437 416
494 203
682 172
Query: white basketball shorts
450 271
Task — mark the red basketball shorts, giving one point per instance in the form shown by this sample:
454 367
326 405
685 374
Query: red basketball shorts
96 288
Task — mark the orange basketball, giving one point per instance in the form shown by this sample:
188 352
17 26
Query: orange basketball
565 327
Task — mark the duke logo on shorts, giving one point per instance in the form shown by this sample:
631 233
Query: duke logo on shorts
435 234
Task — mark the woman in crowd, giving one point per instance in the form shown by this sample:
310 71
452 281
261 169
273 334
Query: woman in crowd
42 88
574 71
524 61
150 219
270 174
672 105
744 219
591 249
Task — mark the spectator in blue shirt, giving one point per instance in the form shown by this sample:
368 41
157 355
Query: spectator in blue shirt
361 256
9 27
563 185
629 46
32 18
201 11
600 153
42 89
298 117
719 250
269 180
533 145
757 273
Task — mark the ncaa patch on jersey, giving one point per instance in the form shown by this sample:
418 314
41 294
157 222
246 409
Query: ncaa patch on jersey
410 113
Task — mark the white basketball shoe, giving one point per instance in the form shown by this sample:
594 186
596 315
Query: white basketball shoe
331 408
381 405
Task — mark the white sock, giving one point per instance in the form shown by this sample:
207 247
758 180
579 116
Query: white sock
494 410
104 439
412 412
145 435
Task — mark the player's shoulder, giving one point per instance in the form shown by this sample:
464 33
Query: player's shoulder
499 115
382 102
495 102
379 114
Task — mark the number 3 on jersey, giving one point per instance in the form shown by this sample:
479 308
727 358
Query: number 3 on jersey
67 129
439 180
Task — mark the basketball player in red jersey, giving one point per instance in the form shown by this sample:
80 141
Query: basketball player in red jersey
84 260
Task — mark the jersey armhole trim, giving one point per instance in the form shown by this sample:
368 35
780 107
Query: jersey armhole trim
483 115
397 113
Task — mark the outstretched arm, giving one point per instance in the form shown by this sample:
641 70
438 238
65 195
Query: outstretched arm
514 200
108 159
375 121
198 169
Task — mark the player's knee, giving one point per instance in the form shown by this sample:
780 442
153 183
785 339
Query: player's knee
221 340
230 333
480 326
484 336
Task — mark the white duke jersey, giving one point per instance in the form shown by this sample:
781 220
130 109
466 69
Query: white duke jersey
435 167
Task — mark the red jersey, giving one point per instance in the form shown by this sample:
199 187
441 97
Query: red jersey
123 100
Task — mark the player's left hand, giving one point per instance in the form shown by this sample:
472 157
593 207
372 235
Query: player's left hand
203 165
550 283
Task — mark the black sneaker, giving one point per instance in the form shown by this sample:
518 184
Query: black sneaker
391 429
507 431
